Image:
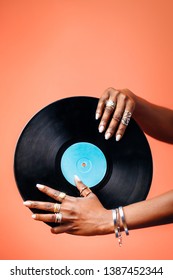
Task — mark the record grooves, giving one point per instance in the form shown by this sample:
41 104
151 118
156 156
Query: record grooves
66 132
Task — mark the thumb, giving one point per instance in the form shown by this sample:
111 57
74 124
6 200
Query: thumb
83 189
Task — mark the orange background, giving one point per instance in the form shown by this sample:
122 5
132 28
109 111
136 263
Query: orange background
53 49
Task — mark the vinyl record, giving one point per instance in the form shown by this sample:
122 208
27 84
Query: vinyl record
62 140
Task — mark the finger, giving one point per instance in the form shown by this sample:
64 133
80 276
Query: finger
108 110
101 104
55 194
61 229
127 114
83 189
116 117
47 218
47 206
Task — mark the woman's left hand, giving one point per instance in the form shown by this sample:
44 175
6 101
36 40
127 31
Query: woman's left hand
75 215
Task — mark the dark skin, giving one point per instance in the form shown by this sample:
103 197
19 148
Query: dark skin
85 215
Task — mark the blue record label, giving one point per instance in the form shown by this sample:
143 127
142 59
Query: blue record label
86 161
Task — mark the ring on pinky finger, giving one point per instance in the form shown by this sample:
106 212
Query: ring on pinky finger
58 218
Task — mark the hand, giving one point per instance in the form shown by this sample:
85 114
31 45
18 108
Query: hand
80 215
116 114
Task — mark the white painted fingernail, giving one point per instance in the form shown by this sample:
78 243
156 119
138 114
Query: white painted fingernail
101 128
107 135
33 216
118 137
97 116
77 179
39 186
27 203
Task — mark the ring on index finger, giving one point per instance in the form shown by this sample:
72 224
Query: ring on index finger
61 196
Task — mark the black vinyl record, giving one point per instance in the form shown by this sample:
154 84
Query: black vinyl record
63 138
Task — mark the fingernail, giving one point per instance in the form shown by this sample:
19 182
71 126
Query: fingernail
118 137
39 186
101 128
107 135
97 116
33 216
77 179
27 203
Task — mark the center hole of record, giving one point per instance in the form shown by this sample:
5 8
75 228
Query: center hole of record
84 165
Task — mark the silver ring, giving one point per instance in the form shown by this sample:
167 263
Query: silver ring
126 118
58 217
110 103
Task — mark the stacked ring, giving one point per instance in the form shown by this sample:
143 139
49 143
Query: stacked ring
58 217
126 118
87 193
110 103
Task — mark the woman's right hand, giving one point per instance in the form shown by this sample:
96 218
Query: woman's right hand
115 108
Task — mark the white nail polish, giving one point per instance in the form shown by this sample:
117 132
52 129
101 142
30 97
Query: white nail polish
118 137
101 128
39 186
107 135
27 203
33 216
97 116
77 179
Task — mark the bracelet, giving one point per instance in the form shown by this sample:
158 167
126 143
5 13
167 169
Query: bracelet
117 229
114 215
123 220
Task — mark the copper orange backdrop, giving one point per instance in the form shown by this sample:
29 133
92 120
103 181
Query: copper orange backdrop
55 49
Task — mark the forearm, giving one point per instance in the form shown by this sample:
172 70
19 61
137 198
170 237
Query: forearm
156 121
151 212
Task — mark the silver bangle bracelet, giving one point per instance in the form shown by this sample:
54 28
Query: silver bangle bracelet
123 220
114 215
117 230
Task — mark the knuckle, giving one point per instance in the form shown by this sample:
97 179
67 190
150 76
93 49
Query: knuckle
108 110
123 96
121 130
55 194
48 206
110 89
34 204
52 217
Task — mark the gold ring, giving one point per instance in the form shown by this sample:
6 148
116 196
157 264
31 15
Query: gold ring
87 193
84 188
57 208
61 196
